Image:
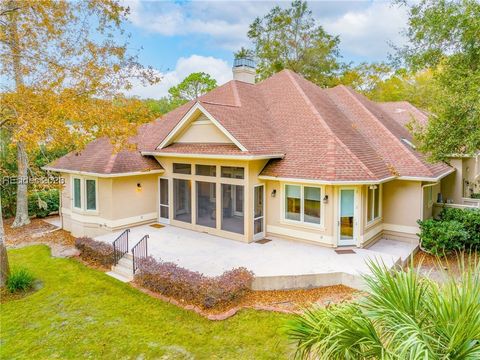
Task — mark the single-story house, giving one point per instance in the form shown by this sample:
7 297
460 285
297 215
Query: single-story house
282 157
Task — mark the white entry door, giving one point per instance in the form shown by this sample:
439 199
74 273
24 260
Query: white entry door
163 211
258 212
346 217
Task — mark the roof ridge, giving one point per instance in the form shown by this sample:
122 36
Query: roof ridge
235 93
217 104
111 162
389 133
324 123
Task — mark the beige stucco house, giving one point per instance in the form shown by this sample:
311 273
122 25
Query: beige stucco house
282 157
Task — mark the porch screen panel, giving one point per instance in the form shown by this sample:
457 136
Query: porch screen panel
311 204
182 194
370 204
164 198
233 208
206 204
292 202
258 209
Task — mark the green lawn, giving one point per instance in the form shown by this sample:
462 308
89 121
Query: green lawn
83 313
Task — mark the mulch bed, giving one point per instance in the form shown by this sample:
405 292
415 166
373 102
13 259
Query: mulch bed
38 231
285 301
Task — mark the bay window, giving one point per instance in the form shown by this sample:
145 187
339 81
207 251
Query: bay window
77 193
303 204
84 194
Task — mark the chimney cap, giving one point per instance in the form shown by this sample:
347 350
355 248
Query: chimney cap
244 62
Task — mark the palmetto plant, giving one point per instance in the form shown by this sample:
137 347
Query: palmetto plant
404 316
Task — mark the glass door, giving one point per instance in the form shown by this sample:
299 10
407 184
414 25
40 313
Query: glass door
346 221
258 212
164 207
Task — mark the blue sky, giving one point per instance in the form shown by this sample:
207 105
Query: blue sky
180 37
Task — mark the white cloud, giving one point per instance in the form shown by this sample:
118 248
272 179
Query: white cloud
368 32
219 69
365 27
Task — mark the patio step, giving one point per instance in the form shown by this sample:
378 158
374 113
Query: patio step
124 268
118 277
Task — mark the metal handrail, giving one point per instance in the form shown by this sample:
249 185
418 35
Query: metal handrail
139 251
120 246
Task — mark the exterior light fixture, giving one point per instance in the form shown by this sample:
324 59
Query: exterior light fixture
139 187
274 192
325 199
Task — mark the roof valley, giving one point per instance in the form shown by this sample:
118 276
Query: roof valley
324 123
387 131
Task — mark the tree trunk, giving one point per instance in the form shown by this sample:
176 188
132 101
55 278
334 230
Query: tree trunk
4 266
21 215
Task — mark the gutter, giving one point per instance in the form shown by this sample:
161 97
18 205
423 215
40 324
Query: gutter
100 175
214 156
323 182
423 195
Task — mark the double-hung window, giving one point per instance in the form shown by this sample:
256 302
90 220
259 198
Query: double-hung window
303 204
373 203
84 194
77 193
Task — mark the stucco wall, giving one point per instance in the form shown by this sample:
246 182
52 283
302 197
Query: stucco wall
402 206
119 204
451 186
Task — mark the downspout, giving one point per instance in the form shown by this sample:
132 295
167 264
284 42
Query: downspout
423 195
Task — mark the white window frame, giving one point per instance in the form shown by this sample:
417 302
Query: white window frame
83 195
302 206
73 193
96 195
379 189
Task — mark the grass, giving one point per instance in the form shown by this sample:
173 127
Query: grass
83 313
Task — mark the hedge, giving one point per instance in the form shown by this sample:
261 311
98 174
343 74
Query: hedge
193 287
95 252
454 230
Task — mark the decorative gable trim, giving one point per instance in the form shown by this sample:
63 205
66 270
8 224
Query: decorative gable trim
185 121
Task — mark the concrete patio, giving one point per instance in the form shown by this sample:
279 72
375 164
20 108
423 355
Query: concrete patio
277 264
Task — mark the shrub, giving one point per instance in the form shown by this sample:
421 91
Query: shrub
442 237
42 203
96 252
470 220
172 280
19 280
475 196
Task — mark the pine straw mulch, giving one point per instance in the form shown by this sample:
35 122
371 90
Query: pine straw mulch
37 232
437 267
284 301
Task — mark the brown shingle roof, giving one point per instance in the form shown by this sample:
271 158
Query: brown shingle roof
324 134
99 157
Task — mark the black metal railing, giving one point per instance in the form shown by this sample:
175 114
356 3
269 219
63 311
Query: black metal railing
120 246
139 251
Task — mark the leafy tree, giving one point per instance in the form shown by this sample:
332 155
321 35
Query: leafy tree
380 82
193 86
404 316
291 39
444 36
64 65
160 106
244 53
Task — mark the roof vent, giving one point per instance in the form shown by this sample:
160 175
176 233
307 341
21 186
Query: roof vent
244 70
409 143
